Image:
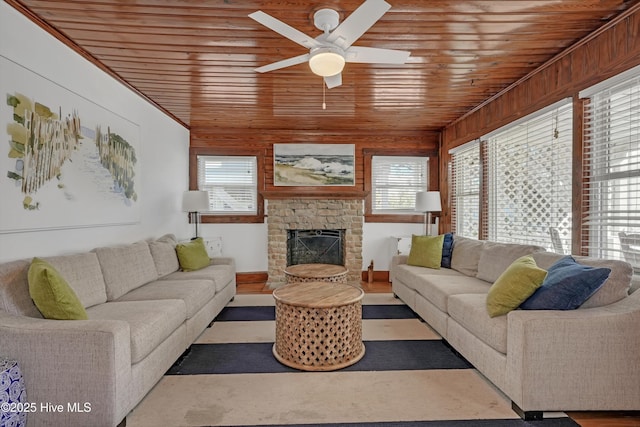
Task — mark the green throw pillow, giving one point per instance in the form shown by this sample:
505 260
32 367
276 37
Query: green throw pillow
192 255
517 283
52 294
426 251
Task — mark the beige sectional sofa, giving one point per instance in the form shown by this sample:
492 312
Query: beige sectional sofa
543 360
143 314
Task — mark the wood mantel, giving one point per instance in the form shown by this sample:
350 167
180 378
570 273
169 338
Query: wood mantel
314 194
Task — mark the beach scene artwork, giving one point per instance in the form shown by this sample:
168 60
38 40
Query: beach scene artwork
68 162
313 164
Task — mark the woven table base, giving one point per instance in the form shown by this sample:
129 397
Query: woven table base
304 273
323 338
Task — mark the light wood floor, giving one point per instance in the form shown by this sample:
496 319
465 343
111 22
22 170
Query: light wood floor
585 419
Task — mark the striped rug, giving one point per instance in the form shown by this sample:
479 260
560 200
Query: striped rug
408 377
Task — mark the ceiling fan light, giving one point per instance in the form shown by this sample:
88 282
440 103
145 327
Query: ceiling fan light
326 63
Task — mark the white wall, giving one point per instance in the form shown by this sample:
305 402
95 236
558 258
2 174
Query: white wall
378 242
246 243
164 144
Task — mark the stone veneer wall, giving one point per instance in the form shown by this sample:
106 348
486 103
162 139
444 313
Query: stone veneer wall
314 214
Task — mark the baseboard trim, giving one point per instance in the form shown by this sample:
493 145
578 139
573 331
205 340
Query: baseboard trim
252 277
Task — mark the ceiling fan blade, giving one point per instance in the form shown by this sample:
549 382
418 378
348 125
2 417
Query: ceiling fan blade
358 23
374 55
284 63
333 81
284 29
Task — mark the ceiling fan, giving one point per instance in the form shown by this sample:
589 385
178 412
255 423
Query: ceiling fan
329 51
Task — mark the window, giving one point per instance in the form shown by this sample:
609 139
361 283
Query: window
465 177
231 182
395 180
529 179
611 165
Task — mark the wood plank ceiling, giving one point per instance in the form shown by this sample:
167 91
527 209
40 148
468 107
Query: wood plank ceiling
196 59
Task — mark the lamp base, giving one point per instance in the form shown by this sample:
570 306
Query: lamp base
431 226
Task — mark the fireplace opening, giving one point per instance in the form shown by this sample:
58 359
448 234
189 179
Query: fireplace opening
315 247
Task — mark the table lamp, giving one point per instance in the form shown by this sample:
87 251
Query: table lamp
194 202
427 202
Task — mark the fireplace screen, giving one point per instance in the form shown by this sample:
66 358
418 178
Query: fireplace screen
315 247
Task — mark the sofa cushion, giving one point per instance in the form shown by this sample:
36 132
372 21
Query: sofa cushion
567 286
495 258
83 273
194 293
438 289
426 251
126 267
447 250
470 311
164 255
221 274
192 255
410 274
519 281
615 288
14 289
466 254
150 322
52 294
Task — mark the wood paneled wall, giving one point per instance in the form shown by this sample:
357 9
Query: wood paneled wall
387 143
606 53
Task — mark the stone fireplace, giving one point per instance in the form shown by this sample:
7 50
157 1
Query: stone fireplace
284 215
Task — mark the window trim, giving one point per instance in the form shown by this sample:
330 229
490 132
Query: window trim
433 183
235 218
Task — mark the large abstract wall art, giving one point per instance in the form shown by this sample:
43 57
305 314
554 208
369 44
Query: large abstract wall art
67 162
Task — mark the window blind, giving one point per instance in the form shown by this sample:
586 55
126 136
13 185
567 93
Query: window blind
611 167
529 176
395 182
465 178
231 182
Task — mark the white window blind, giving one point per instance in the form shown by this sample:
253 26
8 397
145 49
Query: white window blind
529 180
231 182
611 165
395 182
465 178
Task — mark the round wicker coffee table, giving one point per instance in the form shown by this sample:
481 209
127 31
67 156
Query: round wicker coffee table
316 273
318 326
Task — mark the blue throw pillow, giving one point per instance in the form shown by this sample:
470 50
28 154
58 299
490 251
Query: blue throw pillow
567 285
447 250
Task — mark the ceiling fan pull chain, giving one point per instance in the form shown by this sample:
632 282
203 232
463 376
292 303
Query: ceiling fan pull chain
324 104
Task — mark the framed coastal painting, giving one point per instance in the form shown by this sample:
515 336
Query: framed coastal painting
313 164
65 162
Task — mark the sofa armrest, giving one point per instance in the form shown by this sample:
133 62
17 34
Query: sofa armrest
224 261
396 260
574 358
69 361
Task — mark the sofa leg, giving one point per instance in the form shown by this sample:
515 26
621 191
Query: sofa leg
396 296
527 415
123 423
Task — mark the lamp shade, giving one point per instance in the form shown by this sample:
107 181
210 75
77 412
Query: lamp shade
428 201
195 201
326 61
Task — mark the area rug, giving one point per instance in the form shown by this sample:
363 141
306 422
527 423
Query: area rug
407 377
